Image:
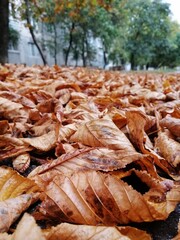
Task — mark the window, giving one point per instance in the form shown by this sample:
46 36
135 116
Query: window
12 46
13 39
33 49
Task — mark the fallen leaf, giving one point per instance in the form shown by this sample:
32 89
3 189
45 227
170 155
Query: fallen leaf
12 208
21 162
44 143
168 148
13 184
173 124
97 159
90 197
84 232
102 133
28 229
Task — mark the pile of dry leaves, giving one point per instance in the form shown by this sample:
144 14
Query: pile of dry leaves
84 153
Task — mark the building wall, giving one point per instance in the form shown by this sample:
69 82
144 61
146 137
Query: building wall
27 53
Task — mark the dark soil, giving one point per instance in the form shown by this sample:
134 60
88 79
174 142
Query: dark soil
162 230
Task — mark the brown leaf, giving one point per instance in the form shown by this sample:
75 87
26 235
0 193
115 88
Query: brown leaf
102 133
98 159
63 95
12 151
21 162
46 106
4 125
168 148
92 197
28 229
13 184
11 110
44 142
66 131
84 232
137 121
173 124
12 208
141 140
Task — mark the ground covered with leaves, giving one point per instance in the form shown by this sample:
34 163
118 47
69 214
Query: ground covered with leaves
87 154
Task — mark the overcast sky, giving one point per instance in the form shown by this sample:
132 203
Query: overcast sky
175 8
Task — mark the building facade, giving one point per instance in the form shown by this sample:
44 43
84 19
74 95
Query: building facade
26 52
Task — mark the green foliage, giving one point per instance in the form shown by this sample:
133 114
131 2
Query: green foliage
148 27
140 32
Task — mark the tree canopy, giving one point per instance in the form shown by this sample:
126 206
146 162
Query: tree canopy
139 32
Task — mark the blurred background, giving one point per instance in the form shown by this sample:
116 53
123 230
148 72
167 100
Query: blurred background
109 34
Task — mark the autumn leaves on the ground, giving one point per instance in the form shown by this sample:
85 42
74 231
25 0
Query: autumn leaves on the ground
84 152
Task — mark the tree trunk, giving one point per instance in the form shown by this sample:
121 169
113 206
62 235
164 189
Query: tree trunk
55 43
84 50
105 55
32 31
132 61
4 30
83 54
70 43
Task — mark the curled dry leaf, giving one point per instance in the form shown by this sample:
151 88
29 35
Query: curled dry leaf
4 125
44 143
63 95
21 162
28 229
12 146
90 197
12 151
168 148
147 93
46 106
84 232
137 121
65 132
42 126
12 208
11 110
173 124
141 140
17 193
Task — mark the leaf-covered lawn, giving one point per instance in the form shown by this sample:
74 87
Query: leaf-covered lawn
84 151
